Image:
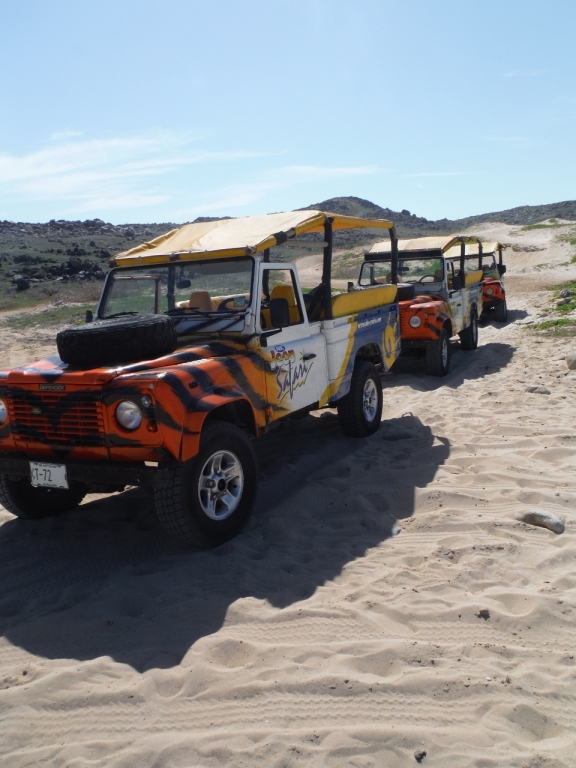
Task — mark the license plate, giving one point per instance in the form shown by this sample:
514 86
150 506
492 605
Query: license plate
48 475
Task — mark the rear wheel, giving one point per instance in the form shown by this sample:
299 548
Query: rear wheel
501 311
24 500
360 411
438 355
210 497
469 336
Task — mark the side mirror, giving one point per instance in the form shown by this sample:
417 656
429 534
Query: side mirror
184 283
502 268
279 313
456 283
89 316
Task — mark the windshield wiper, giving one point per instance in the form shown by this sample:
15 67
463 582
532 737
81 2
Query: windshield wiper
183 311
119 314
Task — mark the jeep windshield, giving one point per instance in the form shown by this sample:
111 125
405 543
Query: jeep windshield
205 292
411 269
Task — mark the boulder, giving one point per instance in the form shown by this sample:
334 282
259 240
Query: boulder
542 519
571 361
538 389
22 284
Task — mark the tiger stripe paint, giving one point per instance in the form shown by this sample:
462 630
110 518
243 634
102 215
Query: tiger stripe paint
497 292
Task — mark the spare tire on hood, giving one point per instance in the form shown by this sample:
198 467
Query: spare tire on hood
116 341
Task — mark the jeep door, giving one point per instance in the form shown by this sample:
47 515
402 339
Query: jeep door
294 358
471 291
455 298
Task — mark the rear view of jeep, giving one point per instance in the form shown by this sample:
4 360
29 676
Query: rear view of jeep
439 293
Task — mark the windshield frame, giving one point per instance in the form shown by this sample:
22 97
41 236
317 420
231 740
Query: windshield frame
171 296
405 256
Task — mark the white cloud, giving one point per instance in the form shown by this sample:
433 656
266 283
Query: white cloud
241 195
433 173
97 174
67 134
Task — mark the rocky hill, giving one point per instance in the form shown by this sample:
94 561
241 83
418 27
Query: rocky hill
58 258
410 225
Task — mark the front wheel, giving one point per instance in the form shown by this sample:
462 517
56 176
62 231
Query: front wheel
438 355
31 503
501 311
210 497
469 336
360 411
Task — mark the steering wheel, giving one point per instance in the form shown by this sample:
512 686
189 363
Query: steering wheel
224 304
424 279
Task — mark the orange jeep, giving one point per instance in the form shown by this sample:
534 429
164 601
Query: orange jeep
493 289
202 340
439 292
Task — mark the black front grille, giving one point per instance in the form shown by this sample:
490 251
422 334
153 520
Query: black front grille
56 419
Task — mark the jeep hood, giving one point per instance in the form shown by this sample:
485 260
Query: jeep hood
52 370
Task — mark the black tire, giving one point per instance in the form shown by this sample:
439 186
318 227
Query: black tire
115 341
179 505
501 311
469 336
358 413
22 499
438 355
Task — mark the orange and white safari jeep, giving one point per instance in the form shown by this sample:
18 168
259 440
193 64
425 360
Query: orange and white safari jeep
202 340
439 292
493 290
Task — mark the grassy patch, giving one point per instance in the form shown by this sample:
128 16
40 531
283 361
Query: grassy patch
565 309
74 315
571 284
544 225
561 326
43 293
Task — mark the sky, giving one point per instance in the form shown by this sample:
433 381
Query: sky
165 110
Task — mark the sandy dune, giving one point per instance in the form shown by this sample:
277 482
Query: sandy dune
383 599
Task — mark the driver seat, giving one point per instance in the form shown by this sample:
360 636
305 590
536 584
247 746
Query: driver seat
287 292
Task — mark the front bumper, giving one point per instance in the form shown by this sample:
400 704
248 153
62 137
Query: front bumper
408 344
96 473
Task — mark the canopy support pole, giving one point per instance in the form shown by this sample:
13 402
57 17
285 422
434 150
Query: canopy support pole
266 274
327 270
394 261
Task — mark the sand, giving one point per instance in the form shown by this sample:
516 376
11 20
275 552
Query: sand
382 601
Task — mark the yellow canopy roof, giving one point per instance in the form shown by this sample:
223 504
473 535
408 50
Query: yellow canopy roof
490 246
443 244
237 237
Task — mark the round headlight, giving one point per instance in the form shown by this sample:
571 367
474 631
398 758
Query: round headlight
489 291
128 414
415 321
3 412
